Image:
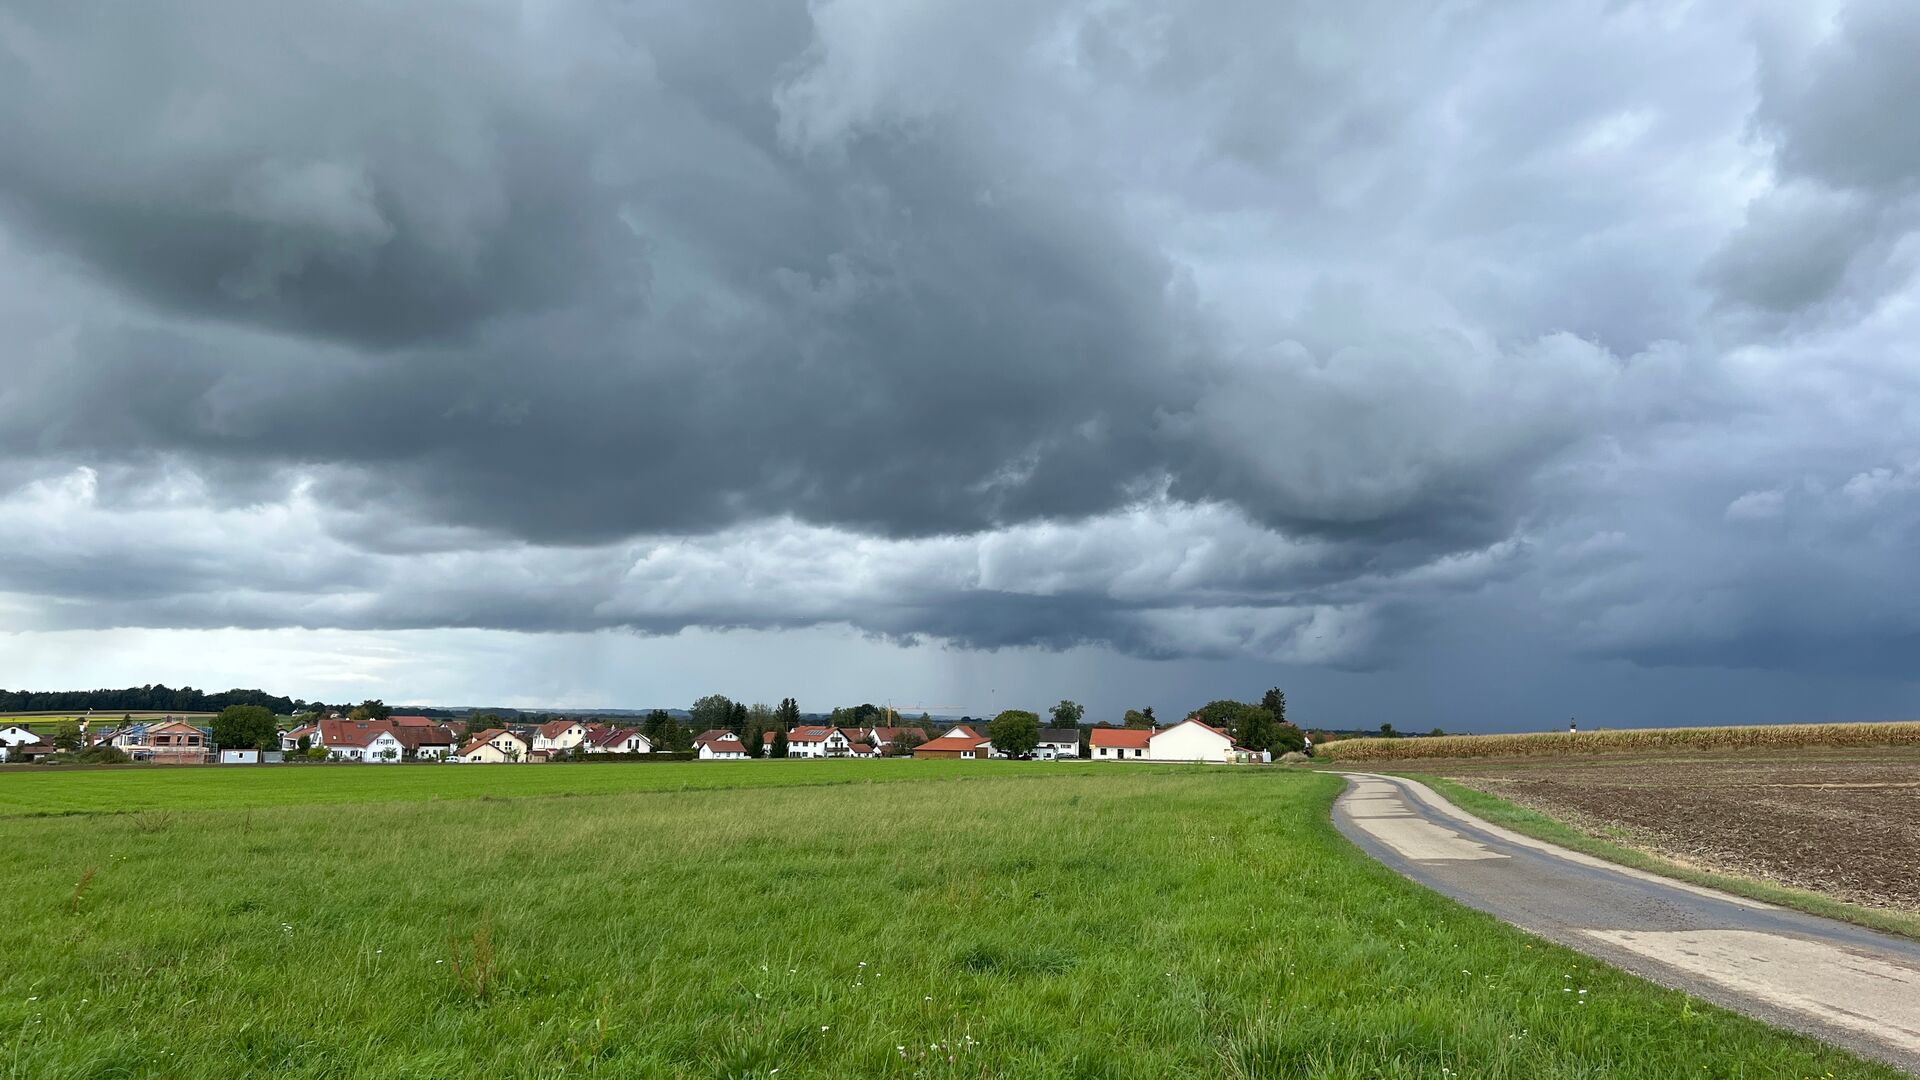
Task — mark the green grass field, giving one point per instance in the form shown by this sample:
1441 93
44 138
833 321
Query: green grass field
781 919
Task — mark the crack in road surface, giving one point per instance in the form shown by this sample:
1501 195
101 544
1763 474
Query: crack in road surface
1844 984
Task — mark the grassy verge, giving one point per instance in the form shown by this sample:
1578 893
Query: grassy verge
1111 922
1541 826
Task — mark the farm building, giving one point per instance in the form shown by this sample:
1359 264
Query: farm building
961 742
1191 740
1056 743
1120 744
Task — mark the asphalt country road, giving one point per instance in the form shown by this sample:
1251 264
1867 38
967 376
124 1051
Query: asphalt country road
1844 984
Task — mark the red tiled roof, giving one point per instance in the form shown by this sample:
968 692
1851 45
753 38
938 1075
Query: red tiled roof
809 733
952 742
414 736
860 749
485 737
889 734
611 736
1122 738
352 732
555 728
721 742
411 721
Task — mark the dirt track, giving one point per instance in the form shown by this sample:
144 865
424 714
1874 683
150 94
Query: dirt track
1845 823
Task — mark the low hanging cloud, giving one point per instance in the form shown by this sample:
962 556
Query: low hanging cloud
1229 333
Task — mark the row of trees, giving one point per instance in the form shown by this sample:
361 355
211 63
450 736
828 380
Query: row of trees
154 697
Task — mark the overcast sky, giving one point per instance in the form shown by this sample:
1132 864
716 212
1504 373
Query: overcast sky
1464 364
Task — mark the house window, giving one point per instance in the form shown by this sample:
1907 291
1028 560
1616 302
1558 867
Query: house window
1136 753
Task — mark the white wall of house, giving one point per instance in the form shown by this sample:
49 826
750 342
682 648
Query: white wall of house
382 749
708 753
14 735
1190 741
565 740
239 757
1049 751
431 751
1119 753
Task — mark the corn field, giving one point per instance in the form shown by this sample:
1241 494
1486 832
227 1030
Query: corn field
1547 744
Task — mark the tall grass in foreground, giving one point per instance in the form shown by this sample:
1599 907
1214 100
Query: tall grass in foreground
1561 743
1125 922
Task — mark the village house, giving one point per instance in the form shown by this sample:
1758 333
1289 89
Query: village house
16 735
360 740
814 741
861 750
719 744
251 757
1192 740
1057 743
426 742
290 740
611 740
1120 744
493 746
960 742
882 737
559 735
165 742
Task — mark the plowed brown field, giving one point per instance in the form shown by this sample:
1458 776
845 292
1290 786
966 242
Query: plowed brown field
1844 823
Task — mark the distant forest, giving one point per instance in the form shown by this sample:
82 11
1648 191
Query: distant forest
155 698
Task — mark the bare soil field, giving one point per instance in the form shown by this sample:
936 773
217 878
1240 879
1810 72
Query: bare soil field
1841 822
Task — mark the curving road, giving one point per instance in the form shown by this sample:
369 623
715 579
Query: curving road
1849 986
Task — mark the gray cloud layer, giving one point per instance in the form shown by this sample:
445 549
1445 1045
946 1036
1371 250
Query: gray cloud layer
1211 330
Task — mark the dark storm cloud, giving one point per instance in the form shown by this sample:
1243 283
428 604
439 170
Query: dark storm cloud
1242 331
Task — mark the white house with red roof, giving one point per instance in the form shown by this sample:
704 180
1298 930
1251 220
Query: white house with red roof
559 735
719 744
607 740
1192 740
815 741
15 735
493 746
960 742
290 740
1120 744
360 740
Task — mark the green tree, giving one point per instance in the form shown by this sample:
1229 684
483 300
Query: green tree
780 742
654 727
1386 731
1015 732
370 709
789 714
245 727
1275 702
1067 713
903 742
710 712
1247 725
1138 720
479 722
66 737
753 732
